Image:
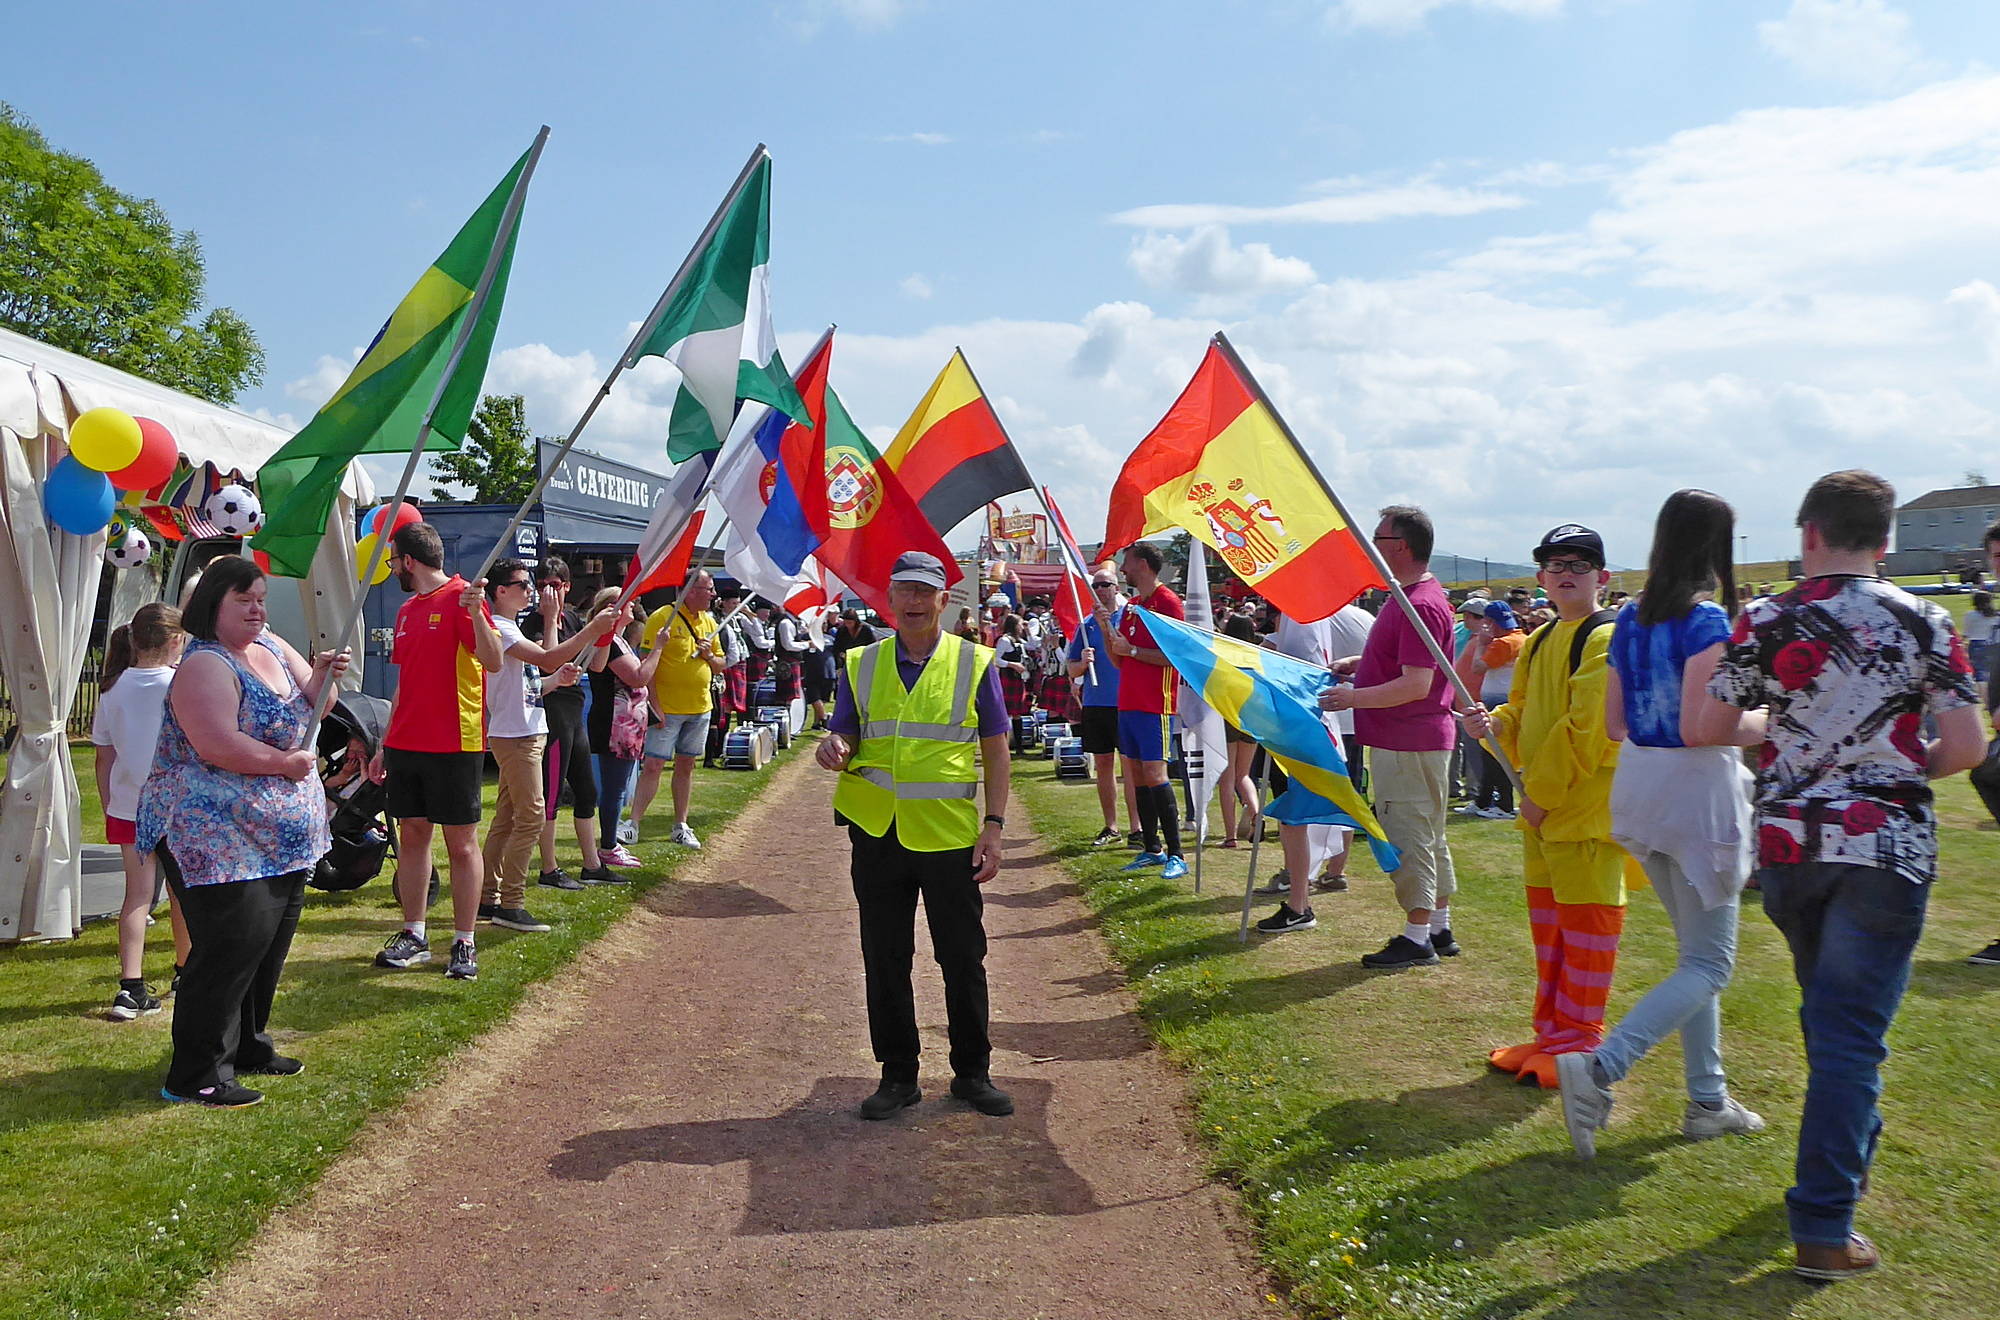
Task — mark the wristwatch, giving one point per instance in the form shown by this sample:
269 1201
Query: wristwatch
1001 821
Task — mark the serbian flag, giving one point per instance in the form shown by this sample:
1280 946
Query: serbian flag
862 514
953 455
1222 465
1075 598
769 539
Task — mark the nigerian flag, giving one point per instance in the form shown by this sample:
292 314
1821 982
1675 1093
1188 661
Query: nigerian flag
717 326
431 351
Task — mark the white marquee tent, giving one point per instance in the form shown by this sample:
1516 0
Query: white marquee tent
48 593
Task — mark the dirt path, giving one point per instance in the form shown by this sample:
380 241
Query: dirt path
668 1131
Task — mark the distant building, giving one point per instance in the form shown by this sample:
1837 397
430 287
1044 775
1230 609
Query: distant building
1948 520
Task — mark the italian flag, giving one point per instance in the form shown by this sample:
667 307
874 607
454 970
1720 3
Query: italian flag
716 328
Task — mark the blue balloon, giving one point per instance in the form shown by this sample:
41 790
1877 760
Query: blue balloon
78 499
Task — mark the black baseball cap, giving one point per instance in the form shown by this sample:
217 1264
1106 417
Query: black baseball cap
917 566
1571 539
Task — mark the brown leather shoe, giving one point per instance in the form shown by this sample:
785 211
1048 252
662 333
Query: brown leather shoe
1824 1264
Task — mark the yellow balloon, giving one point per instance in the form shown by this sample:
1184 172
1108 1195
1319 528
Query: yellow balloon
105 439
364 555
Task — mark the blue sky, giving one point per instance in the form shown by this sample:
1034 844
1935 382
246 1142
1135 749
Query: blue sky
1521 261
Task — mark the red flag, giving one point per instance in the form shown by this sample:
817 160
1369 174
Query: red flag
673 570
1074 599
862 513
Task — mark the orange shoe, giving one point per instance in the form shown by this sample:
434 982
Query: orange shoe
1513 1057
1541 1070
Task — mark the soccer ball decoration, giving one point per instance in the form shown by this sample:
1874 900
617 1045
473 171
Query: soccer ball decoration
130 552
233 511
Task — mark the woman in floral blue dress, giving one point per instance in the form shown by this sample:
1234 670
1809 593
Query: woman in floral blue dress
237 818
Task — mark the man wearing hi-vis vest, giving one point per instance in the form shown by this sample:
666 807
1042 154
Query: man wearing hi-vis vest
918 722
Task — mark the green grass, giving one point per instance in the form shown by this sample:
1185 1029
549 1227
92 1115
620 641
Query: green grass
114 1204
1389 1173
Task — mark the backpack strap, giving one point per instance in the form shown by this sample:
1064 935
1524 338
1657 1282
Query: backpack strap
1590 625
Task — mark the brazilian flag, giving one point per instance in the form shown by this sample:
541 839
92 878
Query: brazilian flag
386 399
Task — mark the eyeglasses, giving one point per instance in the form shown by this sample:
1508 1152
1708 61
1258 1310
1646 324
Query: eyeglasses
1559 567
1386 538
523 583
1104 586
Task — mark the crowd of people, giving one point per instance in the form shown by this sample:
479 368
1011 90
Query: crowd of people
1614 733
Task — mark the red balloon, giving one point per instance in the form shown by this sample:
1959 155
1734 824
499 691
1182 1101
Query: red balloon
406 513
157 455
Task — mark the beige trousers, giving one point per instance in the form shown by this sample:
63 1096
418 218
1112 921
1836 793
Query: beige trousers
518 813
1411 791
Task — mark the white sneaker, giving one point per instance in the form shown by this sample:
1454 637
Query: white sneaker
1699 1124
1497 813
1586 1105
684 836
628 833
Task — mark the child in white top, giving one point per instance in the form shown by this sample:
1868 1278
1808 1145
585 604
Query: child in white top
139 664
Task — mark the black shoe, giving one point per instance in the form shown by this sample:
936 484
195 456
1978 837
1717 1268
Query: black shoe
403 950
1988 956
1136 841
1284 921
518 919
596 875
559 879
488 911
1401 951
464 964
890 1098
223 1095
1443 944
1330 884
983 1095
129 1004
278 1065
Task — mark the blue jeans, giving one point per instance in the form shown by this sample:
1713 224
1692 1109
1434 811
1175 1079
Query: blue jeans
1852 930
614 786
1689 999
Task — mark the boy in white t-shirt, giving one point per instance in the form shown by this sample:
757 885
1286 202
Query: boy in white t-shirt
139 664
516 730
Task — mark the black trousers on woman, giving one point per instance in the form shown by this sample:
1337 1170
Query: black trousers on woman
241 933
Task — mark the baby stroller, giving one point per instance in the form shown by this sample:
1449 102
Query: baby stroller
350 734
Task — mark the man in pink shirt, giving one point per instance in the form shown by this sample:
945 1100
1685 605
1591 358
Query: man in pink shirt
1402 703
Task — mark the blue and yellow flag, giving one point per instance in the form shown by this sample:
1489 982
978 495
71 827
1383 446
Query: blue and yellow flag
1275 700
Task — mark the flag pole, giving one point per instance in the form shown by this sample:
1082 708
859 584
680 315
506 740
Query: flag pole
509 218
1465 696
625 358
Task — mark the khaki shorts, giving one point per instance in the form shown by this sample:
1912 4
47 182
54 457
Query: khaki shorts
1411 793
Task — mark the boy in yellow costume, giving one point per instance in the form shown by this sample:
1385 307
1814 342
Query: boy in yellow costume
1552 726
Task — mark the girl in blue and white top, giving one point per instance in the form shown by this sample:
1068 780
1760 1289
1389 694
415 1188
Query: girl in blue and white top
1682 810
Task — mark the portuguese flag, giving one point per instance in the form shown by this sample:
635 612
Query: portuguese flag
1222 465
417 384
953 455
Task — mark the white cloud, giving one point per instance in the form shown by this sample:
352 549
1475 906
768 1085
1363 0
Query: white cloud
916 286
1206 263
1408 15
329 373
1861 43
1349 202
921 139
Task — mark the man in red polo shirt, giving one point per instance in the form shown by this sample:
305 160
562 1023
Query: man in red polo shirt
1147 686
434 754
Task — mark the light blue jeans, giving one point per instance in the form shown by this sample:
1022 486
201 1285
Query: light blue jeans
1690 999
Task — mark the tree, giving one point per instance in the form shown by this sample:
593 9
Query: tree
94 271
1973 477
497 461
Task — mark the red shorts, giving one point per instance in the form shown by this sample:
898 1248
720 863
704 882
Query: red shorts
119 830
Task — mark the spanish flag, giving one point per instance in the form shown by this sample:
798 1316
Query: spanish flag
1222 465
1275 700
953 455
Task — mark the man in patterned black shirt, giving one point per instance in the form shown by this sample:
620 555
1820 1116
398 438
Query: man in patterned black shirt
1839 673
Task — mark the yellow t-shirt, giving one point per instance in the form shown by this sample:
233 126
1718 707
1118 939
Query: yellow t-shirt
680 683
1553 728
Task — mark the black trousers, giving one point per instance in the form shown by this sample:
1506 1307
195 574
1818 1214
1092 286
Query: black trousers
887 880
241 933
566 758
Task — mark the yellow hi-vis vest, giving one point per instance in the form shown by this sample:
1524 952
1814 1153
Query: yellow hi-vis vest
917 764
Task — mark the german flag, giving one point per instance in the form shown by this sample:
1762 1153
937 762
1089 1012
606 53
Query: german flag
1222 465
953 456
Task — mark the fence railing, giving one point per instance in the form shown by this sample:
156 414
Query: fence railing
81 715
